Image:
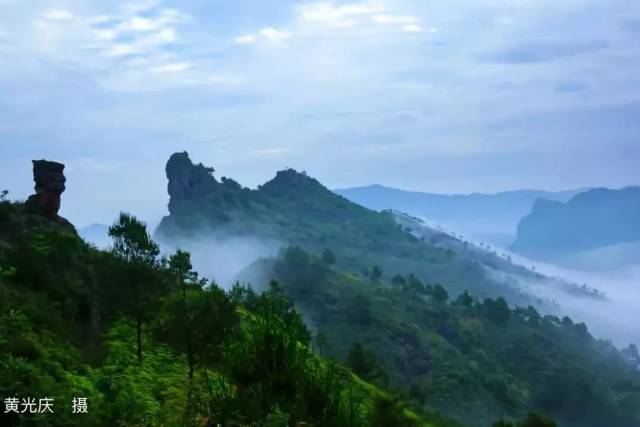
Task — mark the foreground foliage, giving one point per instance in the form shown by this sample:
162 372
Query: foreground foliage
148 345
475 360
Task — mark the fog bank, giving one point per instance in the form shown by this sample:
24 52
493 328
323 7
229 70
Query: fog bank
615 318
221 258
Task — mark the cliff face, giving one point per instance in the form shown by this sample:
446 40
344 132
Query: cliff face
188 181
50 184
593 219
200 202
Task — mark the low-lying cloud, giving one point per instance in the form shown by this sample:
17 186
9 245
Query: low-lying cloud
221 258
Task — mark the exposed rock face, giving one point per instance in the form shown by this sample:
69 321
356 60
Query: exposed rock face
188 181
50 180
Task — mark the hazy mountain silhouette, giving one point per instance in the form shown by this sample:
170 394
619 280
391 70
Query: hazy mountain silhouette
592 220
492 217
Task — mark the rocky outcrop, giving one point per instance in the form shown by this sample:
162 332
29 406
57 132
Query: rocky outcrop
50 184
187 181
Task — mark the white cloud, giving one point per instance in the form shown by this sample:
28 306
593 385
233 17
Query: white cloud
121 49
165 36
413 28
141 24
99 19
337 16
164 18
359 16
58 15
105 34
268 34
171 68
274 35
141 45
395 19
246 39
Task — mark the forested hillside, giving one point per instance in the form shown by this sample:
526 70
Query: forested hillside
473 359
443 321
296 209
148 342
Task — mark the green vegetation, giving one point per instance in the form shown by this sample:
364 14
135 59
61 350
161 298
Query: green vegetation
148 344
299 210
532 420
474 360
449 325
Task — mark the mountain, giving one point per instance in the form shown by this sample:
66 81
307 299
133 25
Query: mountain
595 219
147 344
296 209
387 295
491 217
474 360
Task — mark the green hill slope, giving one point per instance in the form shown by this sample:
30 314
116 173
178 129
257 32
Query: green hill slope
296 209
475 360
141 339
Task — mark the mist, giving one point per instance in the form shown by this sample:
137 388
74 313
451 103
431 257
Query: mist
614 318
222 258
611 318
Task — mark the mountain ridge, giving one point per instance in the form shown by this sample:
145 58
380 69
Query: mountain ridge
472 214
596 218
390 293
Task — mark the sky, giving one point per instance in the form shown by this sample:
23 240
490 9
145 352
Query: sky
431 95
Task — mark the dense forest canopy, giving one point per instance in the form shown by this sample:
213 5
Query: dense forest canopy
336 330
148 342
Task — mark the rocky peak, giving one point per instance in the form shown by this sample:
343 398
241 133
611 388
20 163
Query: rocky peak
289 182
50 184
188 181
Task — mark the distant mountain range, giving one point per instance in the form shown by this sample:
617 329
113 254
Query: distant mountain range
395 289
599 225
491 217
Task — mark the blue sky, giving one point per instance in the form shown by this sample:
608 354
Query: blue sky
433 95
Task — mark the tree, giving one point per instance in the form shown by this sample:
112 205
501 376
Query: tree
415 285
365 364
321 342
358 361
497 310
3 195
376 273
297 259
359 310
197 323
398 280
632 355
182 270
536 420
439 293
417 394
132 243
328 257
532 420
389 412
464 300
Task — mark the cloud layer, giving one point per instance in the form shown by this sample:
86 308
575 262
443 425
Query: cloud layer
430 95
